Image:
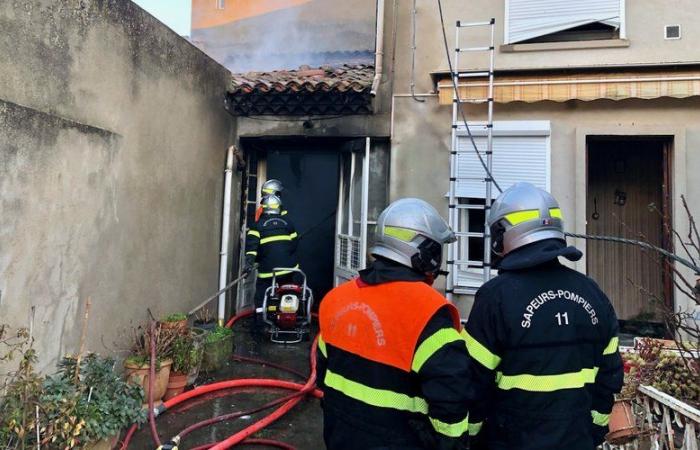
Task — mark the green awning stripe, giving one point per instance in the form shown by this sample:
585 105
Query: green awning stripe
434 343
480 353
600 419
452 430
376 397
547 383
612 346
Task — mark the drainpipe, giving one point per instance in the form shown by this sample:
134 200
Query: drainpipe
379 50
225 226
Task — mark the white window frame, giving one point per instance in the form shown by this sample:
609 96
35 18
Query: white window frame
506 22
468 280
220 4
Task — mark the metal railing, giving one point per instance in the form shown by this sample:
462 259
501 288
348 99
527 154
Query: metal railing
349 250
665 423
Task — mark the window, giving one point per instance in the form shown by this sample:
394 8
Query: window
672 32
534 21
521 152
220 4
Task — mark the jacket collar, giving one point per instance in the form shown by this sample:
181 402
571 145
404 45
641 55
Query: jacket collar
538 253
385 271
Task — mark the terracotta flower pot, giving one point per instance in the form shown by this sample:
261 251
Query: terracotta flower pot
176 385
103 444
138 374
179 326
623 427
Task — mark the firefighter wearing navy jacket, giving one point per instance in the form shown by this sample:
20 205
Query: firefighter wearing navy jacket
272 243
542 337
391 361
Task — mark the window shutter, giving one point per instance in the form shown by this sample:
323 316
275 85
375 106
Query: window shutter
520 153
528 19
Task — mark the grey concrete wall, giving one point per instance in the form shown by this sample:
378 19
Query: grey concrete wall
113 141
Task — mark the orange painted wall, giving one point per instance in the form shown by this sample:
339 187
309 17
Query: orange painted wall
206 15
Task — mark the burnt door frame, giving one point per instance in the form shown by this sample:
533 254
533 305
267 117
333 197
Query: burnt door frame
667 171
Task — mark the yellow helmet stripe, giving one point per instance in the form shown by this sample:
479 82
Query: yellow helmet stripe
556 213
518 217
402 234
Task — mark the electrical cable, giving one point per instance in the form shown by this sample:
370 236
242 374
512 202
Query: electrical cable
456 90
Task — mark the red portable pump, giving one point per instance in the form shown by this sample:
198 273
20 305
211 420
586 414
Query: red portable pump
287 309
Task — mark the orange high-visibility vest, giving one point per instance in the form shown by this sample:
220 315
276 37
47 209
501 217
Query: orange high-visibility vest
383 322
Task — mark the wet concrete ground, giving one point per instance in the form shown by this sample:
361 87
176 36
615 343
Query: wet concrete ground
302 427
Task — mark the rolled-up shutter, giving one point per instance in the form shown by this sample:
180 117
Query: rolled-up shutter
520 153
528 19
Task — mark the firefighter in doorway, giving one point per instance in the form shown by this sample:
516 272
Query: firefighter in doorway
270 187
391 361
272 243
542 337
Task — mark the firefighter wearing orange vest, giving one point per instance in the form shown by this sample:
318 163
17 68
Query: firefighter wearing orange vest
392 363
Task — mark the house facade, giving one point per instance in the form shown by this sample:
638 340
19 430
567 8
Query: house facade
597 103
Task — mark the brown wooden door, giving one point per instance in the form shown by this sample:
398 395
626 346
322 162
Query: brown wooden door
626 199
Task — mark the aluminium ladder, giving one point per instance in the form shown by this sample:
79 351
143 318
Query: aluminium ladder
457 123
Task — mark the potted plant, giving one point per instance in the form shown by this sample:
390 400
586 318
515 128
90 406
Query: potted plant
176 322
185 357
198 337
218 347
623 426
205 320
137 365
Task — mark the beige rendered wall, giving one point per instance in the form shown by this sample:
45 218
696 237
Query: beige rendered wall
645 32
113 142
421 139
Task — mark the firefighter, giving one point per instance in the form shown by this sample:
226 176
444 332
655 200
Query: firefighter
270 187
391 362
272 243
542 337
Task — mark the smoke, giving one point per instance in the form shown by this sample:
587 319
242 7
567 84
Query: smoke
316 33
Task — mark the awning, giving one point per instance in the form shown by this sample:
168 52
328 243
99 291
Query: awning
588 86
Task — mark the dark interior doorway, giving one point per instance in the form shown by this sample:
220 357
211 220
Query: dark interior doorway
309 172
628 195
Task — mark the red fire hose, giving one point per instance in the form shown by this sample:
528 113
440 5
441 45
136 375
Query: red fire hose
242 436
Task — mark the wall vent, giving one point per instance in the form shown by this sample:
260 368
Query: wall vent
672 32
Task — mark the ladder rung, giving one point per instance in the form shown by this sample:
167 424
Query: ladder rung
474 100
473 74
469 234
474 24
466 206
458 179
474 49
474 264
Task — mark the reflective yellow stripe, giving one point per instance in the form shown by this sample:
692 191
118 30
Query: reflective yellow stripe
600 419
376 397
284 213
253 233
268 191
279 274
283 237
402 234
450 429
480 353
556 213
294 235
519 217
612 346
252 253
547 383
474 428
322 346
434 343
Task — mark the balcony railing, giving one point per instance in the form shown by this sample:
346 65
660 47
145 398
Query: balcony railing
664 423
